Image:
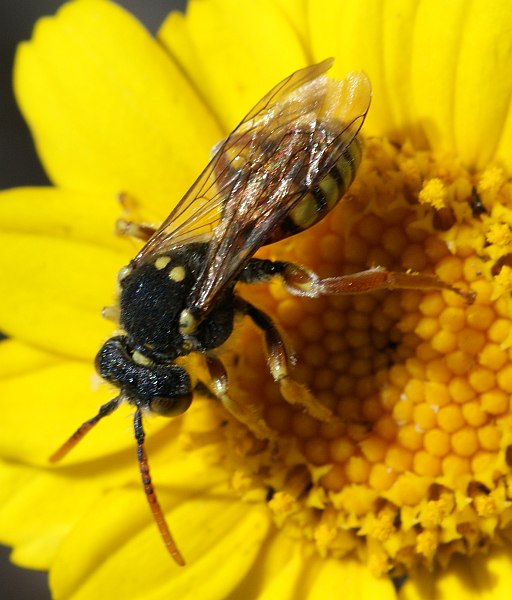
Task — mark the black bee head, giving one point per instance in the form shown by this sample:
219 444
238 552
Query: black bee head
163 389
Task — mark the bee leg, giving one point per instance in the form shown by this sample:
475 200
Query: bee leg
303 282
300 281
203 390
111 313
248 414
139 231
277 357
132 226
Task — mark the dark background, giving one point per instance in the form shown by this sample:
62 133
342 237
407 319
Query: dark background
19 166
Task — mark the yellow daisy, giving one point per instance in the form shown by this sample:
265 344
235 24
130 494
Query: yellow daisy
407 493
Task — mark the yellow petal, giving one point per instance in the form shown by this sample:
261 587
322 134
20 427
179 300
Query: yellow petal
437 80
284 584
434 58
60 261
398 24
108 109
460 67
352 32
296 13
483 82
44 405
66 495
13 477
57 289
504 150
219 537
267 50
277 572
487 577
37 534
349 579
88 217
46 398
17 358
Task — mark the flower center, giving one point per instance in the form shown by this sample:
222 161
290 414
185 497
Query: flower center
417 466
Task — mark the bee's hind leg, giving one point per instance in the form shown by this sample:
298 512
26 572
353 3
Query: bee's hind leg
277 357
248 414
303 282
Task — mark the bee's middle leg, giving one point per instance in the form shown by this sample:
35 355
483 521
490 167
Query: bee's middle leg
248 414
277 358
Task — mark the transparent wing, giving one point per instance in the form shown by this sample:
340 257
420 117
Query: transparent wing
197 213
260 171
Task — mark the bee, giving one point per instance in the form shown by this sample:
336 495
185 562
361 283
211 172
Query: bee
281 170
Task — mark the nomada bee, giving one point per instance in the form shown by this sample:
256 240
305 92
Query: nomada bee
281 170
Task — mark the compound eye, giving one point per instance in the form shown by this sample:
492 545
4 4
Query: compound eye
170 406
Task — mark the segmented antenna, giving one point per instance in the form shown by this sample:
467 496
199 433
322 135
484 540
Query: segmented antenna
69 444
154 505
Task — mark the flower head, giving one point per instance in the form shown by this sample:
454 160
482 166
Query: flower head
411 479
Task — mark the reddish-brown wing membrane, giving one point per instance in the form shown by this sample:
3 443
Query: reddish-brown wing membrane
296 133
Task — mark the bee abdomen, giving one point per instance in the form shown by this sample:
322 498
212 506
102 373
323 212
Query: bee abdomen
329 190
323 195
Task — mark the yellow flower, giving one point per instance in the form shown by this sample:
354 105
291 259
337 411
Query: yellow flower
411 484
